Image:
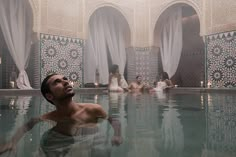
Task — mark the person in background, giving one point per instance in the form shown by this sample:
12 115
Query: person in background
164 83
115 79
166 79
70 117
138 85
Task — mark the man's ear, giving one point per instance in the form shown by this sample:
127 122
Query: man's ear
49 96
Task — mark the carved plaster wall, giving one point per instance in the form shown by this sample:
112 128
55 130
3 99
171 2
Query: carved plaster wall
70 18
59 17
220 16
35 4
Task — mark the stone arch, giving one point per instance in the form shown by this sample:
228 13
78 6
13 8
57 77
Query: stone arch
193 51
90 13
187 2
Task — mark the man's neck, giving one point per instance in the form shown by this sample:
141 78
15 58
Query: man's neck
65 106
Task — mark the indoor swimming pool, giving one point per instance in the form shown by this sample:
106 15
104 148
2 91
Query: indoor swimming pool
151 125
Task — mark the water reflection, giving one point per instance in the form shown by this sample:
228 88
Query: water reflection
172 132
88 142
186 125
143 131
22 104
117 104
221 125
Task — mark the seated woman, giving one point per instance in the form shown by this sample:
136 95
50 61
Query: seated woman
160 86
115 80
167 80
163 84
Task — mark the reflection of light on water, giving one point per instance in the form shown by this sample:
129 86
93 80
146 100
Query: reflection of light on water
202 102
22 104
12 102
209 100
96 99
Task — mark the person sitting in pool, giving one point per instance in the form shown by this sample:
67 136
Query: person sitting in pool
138 85
115 80
69 116
166 79
164 83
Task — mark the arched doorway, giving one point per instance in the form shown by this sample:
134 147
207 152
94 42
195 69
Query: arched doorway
109 36
191 67
15 42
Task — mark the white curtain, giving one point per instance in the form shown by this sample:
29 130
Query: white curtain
106 37
172 41
16 24
95 53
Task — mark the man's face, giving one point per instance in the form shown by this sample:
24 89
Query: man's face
139 79
60 88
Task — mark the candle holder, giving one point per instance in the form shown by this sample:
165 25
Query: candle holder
209 84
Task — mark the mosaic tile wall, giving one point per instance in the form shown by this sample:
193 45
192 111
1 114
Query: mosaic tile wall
62 55
144 62
221 59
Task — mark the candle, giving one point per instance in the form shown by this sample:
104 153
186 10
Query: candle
12 84
201 83
96 84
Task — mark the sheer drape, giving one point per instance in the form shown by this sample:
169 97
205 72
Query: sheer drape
172 41
96 53
106 36
16 24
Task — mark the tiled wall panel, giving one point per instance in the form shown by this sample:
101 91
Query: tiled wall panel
62 55
144 62
221 59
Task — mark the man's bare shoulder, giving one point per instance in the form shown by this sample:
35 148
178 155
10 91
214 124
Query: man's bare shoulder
96 109
48 116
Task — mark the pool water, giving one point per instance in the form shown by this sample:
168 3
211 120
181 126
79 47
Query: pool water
152 125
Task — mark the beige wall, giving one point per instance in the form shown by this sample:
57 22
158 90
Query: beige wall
221 16
70 17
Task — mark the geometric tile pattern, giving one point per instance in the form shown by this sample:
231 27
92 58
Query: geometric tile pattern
144 62
62 55
221 59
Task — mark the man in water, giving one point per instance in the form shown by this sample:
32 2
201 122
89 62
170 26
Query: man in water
138 85
70 117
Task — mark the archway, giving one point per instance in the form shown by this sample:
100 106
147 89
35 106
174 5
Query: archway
108 38
15 33
191 67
